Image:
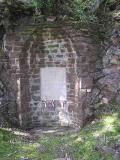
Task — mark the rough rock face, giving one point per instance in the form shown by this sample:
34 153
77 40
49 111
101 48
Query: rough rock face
106 88
110 83
8 112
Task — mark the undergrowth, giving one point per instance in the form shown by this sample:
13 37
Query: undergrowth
79 146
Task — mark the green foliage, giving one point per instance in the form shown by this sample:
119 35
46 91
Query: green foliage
77 10
43 4
50 7
6 149
82 11
12 10
105 131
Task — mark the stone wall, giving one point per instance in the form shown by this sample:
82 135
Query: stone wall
34 47
8 105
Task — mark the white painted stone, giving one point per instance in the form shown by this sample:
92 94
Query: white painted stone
53 83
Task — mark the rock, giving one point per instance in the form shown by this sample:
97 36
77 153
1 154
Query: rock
41 148
95 96
116 37
110 83
111 56
118 99
51 18
105 149
117 146
116 156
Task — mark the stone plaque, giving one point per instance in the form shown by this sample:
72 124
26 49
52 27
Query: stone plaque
53 83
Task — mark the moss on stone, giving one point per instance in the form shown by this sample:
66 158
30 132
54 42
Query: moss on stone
53 46
1 52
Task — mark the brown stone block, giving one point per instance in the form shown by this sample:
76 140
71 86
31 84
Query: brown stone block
59 40
16 38
71 69
39 40
72 86
37 80
12 60
71 93
87 83
8 48
82 52
86 40
41 65
42 61
49 65
45 38
70 65
71 98
58 63
80 73
60 56
71 55
24 83
9 37
36 98
14 54
83 59
79 60
83 67
24 99
35 88
55 65
46 51
32 50
71 60
19 44
71 75
71 103
63 50
35 118
69 48
33 65
35 76
36 70
53 50
92 59
41 47
41 54
71 108
52 46
71 80
62 65
50 58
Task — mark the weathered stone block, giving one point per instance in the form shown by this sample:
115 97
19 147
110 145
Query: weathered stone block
35 88
87 83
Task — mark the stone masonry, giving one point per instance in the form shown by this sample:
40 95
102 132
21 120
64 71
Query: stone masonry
36 47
